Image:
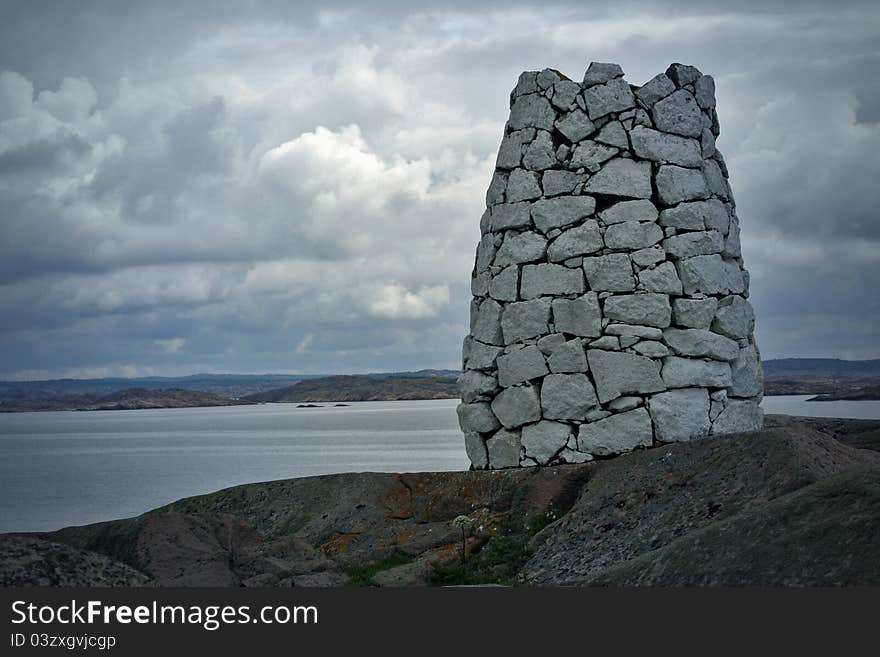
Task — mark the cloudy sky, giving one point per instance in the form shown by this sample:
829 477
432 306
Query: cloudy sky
296 187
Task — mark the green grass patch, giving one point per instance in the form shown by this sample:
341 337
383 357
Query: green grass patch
363 575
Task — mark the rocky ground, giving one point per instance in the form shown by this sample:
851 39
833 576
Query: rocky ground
797 504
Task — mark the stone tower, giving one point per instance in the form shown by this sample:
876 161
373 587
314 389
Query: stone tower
610 304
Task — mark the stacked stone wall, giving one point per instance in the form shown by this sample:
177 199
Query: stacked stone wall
610 303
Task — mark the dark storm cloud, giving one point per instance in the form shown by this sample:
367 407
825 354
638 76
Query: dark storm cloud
214 186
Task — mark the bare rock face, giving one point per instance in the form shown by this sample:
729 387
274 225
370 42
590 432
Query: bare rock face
610 306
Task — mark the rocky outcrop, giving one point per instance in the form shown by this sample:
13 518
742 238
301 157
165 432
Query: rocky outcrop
797 504
610 304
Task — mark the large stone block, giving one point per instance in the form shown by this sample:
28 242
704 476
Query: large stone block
525 319
694 313
662 279
475 448
680 372
567 396
504 449
697 215
632 235
550 279
616 434
518 248
561 211
567 358
618 373
739 415
676 184
622 177
610 273
510 215
639 210
520 366
748 378
613 96
679 114
486 323
517 406
481 356
581 240
522 185
544 440
710 274
504 285
663 147
688 245
476 417
646 309
700 342
475 385
575 126
654 89
531 111
734 318
580 316
681 414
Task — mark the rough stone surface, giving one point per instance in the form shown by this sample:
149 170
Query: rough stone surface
680 414
616 434
567 396
610 304
618 373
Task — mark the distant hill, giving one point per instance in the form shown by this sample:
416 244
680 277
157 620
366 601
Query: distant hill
819 366
128 399
830 378
363 388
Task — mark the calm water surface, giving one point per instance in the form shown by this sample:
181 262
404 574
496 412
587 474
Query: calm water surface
66 468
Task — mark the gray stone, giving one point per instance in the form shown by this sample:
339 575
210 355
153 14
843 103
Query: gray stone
704 91
590 155
610 342
710 274
476 417
568 358
475 449
547 78
645 309
568 455
579 316
516 406
676 184
617 434
520 366
481 356
648 257
663 279
682 74
641 210
474 385
549 343
663 147
561 211
623 177
739 415
689 372
486 323
581 240
613 96
694 313
622 404
696 215
480 284
680 414
526 84
688 245
518 248
734 318
557 182
707 143
510 151
564 94
642 332
525 319
544 440
618 373
531 111
651 349
715 179
700 342
540 154
627 341
575 126
485 253
522 185
748 379
655 89
679 114
732 248
613 134
510 215
495 193
601 72
612 273
632 235
504 449
503 286
538 280
567 396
